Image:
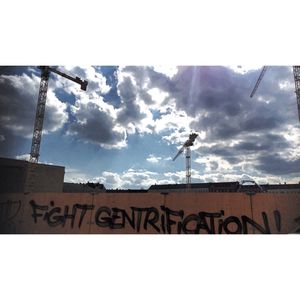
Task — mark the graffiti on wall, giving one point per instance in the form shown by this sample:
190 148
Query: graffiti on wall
9 209
297 229
161 220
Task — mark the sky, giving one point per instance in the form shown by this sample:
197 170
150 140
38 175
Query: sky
132 120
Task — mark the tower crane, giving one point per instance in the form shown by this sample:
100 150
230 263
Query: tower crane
186 146
296 71
40 110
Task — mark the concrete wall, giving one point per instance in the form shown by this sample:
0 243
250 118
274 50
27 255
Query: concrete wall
12 175
49 178
149 213
13 172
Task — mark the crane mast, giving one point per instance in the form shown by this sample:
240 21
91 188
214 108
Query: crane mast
188 167
296 71
39 116
40 109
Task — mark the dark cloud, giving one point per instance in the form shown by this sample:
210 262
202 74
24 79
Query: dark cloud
12 145
154 79
268 142
219 100
221 96
94 125
258 123
18 103
232 109
129 109
226 153
260 146
209 89
229 111
276 165
18 100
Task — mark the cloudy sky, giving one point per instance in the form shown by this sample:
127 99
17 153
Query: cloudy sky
129 124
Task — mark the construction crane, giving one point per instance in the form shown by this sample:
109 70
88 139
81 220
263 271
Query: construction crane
40 110
261 75
296 71
186 146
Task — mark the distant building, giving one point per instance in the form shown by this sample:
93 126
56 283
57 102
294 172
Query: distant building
127 191
83 187
229 187
166 188
14 176
281 188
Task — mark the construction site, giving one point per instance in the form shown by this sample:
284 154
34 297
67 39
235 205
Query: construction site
34 197
149 149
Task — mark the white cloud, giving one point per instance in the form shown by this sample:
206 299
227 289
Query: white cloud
157 96
286 85
55 113
129 179
244 69
112 180
74 175
176 121
153 159
26 157
23 157
176 177
96 81
140 99
169 71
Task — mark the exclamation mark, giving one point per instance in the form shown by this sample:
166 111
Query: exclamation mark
277 218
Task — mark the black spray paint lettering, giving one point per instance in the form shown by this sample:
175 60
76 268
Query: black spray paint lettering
117 218
54 216
297 229
277 219
194 223
169 221
212 217
9 209
190 219
164 220
237 223
246 220
152 211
